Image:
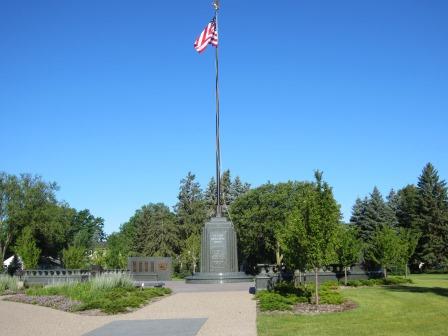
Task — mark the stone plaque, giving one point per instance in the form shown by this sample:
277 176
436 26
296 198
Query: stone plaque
163 266
218 251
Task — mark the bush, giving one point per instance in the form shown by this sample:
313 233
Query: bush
395 281
74 257
330 295
112 281
354 283
8 283
109 296
379 282
270 301
285 288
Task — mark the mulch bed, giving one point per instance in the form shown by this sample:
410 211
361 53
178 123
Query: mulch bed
54 301
312 309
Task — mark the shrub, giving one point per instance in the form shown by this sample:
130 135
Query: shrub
270 301
109 296
354 283
8 283
74 257
284 288
111 281
395 281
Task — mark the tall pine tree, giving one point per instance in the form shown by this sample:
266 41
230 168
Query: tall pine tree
370 214
191 207
432 218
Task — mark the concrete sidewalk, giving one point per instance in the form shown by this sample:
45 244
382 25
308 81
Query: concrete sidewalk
227 309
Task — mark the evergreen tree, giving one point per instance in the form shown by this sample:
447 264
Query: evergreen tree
237 189
432 218
407 207
191 207
14 266
230 191
156 232
372 213
210 197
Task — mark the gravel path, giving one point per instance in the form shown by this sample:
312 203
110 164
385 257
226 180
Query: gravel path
229 310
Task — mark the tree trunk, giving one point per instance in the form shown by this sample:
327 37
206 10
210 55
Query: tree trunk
345 275
405 270
316 283
385 272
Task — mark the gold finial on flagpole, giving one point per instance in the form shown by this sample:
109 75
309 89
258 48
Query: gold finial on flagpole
216 4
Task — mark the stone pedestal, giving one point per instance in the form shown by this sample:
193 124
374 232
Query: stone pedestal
219 261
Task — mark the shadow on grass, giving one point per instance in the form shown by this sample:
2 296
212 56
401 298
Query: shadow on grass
416 289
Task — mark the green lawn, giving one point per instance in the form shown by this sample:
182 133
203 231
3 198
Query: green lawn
418 309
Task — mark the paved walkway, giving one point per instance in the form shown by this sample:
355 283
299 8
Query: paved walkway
218 310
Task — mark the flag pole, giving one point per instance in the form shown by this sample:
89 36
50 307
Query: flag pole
218 147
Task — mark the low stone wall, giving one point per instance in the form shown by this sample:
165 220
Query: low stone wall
49 277
267 277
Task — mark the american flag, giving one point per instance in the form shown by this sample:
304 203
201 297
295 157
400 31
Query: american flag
208 36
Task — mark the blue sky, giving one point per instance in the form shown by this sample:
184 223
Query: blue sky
110 100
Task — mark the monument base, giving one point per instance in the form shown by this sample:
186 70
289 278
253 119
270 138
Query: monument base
211 278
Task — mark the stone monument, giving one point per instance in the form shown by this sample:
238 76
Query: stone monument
219 261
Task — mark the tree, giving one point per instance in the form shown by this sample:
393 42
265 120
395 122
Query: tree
155 232
118 249
348 247
24 201
191 251
258 216
407 207
191 207
14 266
386 247
409 240
432 218
309 237
27 249
230 191
74 257
370 214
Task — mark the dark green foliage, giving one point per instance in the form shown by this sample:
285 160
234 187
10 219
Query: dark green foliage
230 191
27 201
272 301
309 237
154 231
370 214
348 247
258 215
386 247
74 257
26 248
287 288
379 282
111 300
191 207
285 295
432 218
14 266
